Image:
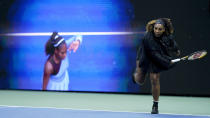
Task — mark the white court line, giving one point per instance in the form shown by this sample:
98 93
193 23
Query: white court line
70 33
98 110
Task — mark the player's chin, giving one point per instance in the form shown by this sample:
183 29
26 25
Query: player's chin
63 57
157 35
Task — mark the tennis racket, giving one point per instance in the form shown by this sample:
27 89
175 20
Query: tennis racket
193 56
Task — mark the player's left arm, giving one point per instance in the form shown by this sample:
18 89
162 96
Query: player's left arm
174 46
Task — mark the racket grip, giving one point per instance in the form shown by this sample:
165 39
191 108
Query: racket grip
175 60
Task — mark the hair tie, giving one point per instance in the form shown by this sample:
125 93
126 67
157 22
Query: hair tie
58 43
159 21
56 36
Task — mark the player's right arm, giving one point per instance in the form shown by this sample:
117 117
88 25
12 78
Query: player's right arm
48 69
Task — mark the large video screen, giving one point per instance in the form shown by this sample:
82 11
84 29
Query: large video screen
104 60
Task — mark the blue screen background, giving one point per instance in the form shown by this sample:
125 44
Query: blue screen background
103 63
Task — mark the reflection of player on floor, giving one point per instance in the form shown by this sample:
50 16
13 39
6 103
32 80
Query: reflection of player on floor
155 55
55 71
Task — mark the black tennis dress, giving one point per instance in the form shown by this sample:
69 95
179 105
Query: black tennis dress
155 53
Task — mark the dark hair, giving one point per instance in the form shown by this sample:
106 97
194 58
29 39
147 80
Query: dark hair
54 39
166 22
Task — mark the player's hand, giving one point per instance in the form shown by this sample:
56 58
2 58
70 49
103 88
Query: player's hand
74 46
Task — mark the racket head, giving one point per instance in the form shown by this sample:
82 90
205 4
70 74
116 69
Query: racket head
197 55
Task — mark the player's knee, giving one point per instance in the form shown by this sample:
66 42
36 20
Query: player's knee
155 81
154 77
139 79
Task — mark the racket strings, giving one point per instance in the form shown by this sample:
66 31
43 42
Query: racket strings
197 55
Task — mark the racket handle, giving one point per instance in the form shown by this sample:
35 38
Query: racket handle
175 60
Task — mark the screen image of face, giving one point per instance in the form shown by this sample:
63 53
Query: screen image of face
103 61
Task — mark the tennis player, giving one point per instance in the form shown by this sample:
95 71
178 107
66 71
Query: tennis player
55 70
155 54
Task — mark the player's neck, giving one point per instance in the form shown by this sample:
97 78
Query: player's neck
56 60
